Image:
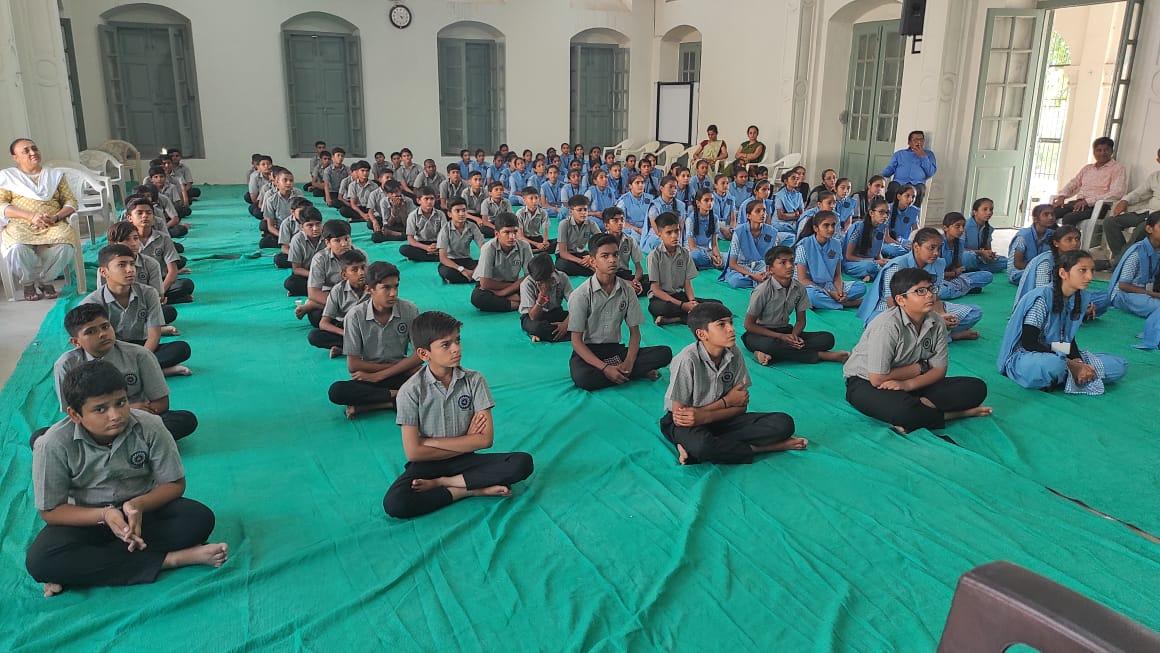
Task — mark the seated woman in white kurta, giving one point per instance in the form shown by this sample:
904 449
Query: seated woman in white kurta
35 203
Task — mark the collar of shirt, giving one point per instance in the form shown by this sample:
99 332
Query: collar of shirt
703 354
132 426
919 331
429 379
110 298
370 313
595 287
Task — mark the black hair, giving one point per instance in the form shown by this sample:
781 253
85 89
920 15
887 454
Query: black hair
110 252
90 379
134 202
712 226
540 268
174 150
600 240
577 200
425 191
1057 238
325 154
530 190
957 245
926 234
706 313
667 219
299 202
317 143
156 170
312 214
907 278
392 187
894 208
491 186
378 154
430 326
776 251
505 219
1067 261
335 229
352 256
812 222
474 173
917 131
868 228
119 232
265 157
82 314
380 271
360 165
612 213
338 150
1104 140
452 167
454 202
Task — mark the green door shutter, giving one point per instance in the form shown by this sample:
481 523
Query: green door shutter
452 95
114 90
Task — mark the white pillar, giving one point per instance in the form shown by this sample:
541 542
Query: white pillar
34 78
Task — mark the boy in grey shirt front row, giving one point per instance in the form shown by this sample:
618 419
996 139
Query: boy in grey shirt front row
444 412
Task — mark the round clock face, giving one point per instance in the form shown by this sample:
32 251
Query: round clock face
400 16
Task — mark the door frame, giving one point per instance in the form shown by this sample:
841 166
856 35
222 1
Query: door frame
353 149
884 28
616 50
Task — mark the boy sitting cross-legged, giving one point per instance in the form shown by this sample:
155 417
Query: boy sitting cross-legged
444 412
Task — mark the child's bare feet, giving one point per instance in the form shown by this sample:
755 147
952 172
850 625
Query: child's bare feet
970 334
491 491
535 338
867 279
52 589
762 358
170 330
177 370
351 411
682 455
335 352
977 411
789 444
834 356
210 555
899 430
653 375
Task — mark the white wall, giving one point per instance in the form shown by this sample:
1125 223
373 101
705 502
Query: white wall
238 50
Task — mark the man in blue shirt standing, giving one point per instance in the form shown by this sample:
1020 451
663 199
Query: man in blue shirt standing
913 166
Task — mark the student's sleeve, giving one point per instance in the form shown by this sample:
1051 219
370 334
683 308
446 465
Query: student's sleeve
528 295
577 311
51 478
632 315
481 394
407 404
171 255
441 241
887 275
635 254
486 265
803 301
151 377
154 318
880 352
681 380
799 255
756 301
412 228
268 211
653 264
314 279
352 344
163 457
941 356
476 234
742 377
253 188
330 310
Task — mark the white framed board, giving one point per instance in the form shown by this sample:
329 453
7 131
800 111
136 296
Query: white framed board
676 119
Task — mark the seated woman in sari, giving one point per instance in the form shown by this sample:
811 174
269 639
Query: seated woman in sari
35 203
712 150
751 151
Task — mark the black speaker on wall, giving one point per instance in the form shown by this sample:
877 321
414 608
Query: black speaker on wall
913 13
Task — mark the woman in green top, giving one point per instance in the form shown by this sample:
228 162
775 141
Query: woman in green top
750 151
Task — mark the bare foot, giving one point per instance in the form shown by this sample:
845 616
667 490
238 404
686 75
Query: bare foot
351 411
978 411
789 444
653 375
762 358
424 484
867 279
210 555
970 334
170 330
682 455
335 352
177 370
491 491
535 338
899 430
52 589
834 356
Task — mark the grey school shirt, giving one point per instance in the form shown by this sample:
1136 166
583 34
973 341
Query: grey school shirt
629 252
474 200
533 224
771 303
277 207
132 321
458 243
325 270
408 173
365 338
142 373
362 193
561 285
495 263
696 381
148 273
333 175
671 270
257 185
286 231
891 340
488 209
302 250
448 190
433 182
425 227
599 314
160 246
394 215
341 299
575 235
69 466
182 171
438 411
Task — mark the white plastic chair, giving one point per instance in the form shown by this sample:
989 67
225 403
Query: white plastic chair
650 147
78 266
777 167
668 154
106 164
619 149
93 192
127 154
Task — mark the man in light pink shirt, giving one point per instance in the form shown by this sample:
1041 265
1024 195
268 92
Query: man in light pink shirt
1105 179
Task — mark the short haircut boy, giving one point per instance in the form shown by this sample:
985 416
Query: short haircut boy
380 271
705 314
541 268
505 219
577 201
430 326
81 315
91 379
907 278
667 219
335 229
425 191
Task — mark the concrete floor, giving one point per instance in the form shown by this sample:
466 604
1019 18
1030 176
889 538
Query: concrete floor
19 322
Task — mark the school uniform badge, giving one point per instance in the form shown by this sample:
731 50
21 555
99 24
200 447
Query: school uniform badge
137 459
831 254
142 314
402 328
464 402
130 379
727 377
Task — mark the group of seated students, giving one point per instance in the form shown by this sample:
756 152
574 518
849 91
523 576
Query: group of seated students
793 249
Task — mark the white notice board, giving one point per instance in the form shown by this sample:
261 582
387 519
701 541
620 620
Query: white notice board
676 117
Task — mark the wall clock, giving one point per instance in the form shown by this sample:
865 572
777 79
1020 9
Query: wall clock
400 16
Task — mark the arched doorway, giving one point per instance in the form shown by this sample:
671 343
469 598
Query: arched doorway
599 87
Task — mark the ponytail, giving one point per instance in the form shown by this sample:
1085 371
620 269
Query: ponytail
868 226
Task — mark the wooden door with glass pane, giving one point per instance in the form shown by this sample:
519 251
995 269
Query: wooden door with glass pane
873 93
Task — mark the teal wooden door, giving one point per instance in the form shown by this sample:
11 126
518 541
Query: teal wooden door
1006 112
148 91
873 93
480 65
599 104
318 86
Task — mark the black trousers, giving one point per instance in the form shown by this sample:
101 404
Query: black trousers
193 192
255 211
418 255
540 239
904 409
629 276
349 213
893 188
572 269
661 308
295 285
180 423
183 211
168 313
451 275
282 261
178 231
314 316
181 292
1114 227
170 353
542 328
86 556
489 302
816 341
479 470
729 440
359 393
180 249
1069 216
247 198
587 377
324 339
